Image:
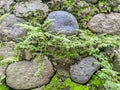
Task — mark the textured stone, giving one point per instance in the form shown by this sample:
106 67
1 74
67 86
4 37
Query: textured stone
63 22
20 75
31 7
116 63
92 1
5 5
105 23
2 70
8 30
6 51
82 71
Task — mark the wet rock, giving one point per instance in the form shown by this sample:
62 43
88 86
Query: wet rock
8 30
5 6
92 1
105 23
82 71
20 75
30 7
63 22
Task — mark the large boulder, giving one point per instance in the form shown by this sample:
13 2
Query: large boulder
63 22
9 31
82 71
105 23
6 51
30 7
5 6
20 75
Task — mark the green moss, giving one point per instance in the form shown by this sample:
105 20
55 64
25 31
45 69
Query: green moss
3 87
56 84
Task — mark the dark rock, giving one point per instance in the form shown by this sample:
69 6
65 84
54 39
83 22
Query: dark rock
105 23
92 1
8 30
82 71
30 7
20 75
63 22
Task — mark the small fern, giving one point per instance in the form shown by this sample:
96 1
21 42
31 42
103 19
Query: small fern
84 43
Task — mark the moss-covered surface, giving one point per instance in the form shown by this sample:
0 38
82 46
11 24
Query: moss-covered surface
56 84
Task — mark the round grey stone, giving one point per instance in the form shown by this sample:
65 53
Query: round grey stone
9 31
20 75
105 23
82 71
63 22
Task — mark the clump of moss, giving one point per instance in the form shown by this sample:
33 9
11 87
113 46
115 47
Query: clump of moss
56 84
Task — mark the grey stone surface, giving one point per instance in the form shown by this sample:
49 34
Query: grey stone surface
5 52
31 7
105 23
5 5
116 63
2 70
8 30
82 71
92 1
20 75
25 54
63 22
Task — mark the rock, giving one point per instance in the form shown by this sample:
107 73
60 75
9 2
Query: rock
31 7
5 52
2 70
105 23
82 71
92 1
40 88
20 75
25 54
8 30
5 6
63 22
116 63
